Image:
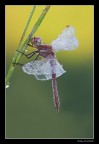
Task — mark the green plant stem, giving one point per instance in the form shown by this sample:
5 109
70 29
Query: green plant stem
37 24
17 55
27 24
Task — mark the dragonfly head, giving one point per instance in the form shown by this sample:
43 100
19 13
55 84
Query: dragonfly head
36 41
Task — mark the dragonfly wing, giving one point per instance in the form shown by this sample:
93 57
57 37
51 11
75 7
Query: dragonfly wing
66 41
41 69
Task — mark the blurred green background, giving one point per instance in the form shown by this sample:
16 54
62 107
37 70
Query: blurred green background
30 111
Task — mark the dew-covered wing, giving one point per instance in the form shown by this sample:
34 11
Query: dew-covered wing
66 41
42 69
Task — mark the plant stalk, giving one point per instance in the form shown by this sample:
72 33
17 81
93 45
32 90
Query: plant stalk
17 55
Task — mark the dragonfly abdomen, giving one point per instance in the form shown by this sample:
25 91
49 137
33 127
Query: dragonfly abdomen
55 92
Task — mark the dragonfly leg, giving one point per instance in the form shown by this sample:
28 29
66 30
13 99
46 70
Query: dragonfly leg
36 57
28 55
19 64
28 42
29 45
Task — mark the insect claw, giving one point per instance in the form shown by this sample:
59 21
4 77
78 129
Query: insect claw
13 63
19 51
17 64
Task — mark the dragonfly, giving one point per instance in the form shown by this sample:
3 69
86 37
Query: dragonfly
48 66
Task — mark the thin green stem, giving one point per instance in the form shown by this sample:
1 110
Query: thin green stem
17 55
37 24
21 40
27 24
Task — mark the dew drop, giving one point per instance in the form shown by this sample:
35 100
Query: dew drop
7 86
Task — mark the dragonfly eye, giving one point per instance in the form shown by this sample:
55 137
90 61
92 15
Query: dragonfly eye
36 41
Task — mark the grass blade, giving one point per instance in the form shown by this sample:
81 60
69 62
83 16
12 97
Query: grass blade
17 56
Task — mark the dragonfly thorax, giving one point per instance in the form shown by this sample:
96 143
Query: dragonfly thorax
45 50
